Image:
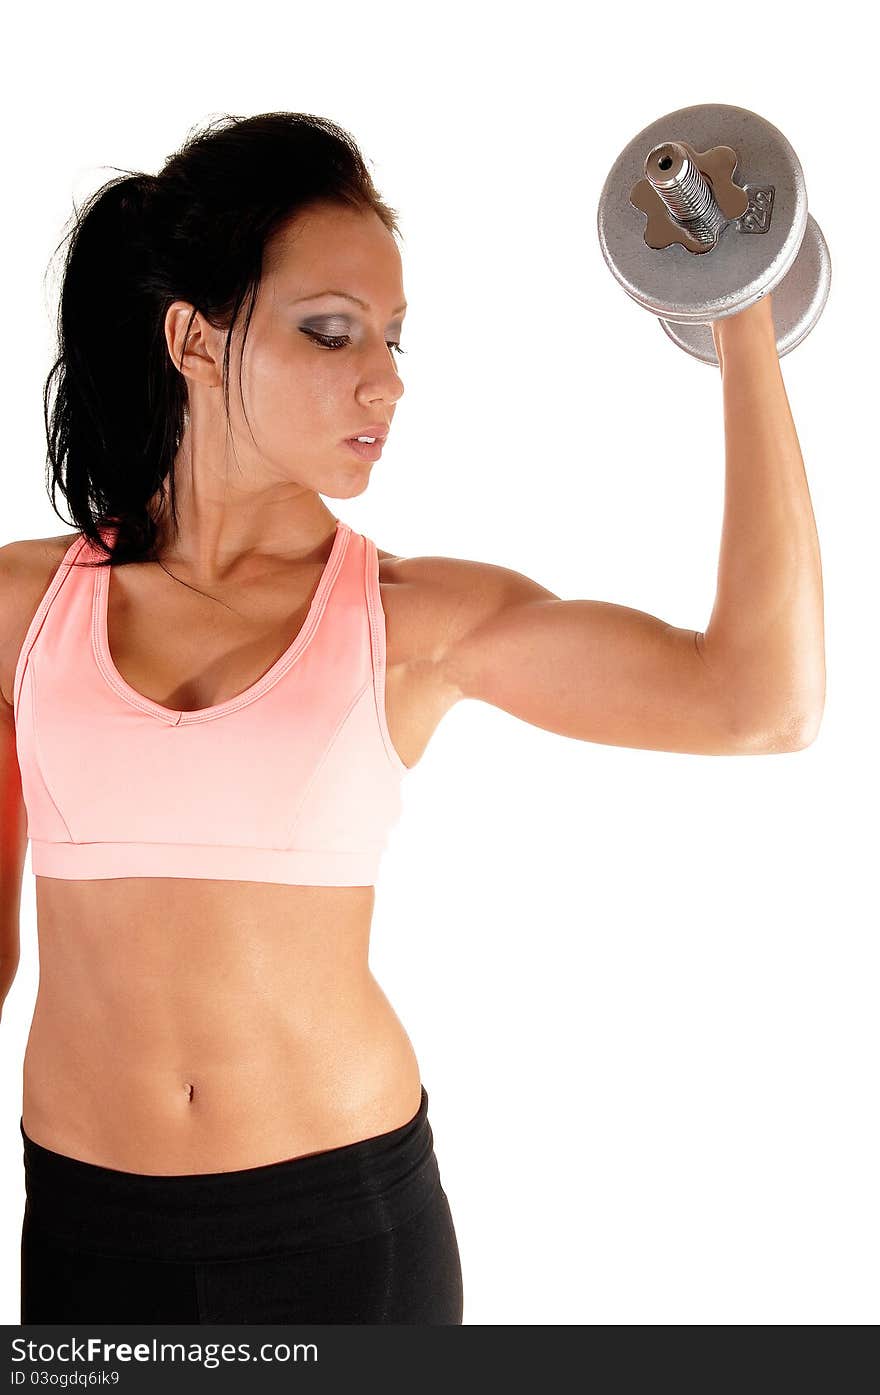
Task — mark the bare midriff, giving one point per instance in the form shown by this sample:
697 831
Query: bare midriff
189 1026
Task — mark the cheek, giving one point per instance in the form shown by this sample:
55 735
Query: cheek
285 384
320 384
295 389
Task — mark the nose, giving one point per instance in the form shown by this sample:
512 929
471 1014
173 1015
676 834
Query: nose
386 386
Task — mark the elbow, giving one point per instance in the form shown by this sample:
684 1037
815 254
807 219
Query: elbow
794 729
796 733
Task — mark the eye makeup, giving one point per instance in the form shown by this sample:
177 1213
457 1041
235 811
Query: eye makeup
337 324
333 333
327 324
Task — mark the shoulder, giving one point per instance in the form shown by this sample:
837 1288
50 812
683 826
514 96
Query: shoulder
433 602
27 567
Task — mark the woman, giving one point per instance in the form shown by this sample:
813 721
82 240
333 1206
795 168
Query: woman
211 694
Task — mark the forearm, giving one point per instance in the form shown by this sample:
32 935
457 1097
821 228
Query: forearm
8 970
766 633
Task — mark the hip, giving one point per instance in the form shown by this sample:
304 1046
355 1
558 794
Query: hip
360 1233
338 1194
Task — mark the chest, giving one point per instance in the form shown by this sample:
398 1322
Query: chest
183 651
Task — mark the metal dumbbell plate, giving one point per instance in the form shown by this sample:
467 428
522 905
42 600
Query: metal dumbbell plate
754 254
798 301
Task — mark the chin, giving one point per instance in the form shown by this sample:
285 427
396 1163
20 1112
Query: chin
348 489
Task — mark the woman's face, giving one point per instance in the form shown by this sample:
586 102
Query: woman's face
318 368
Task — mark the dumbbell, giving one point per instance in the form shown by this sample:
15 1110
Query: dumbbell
693 244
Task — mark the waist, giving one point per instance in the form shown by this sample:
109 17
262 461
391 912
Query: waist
330 1197
221 1088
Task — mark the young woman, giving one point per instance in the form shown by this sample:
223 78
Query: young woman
210 695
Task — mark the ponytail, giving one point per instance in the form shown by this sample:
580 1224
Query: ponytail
115 380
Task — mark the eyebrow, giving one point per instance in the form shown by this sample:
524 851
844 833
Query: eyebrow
316 295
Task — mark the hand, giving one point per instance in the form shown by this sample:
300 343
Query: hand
761 314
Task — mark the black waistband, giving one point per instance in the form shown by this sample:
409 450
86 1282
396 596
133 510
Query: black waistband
325 1198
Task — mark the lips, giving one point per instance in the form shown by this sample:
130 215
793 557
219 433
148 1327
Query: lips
379 429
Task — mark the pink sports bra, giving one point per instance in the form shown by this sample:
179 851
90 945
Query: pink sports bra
295 780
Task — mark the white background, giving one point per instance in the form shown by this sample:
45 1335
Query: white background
641 986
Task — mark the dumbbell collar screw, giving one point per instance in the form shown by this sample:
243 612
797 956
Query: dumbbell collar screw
689 196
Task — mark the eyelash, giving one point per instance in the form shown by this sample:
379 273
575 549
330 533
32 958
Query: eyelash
337 341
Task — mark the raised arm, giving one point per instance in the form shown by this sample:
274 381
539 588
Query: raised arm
753 682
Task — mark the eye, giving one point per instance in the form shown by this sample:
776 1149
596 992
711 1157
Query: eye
338 341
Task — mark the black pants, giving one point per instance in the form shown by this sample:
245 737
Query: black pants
357 1234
